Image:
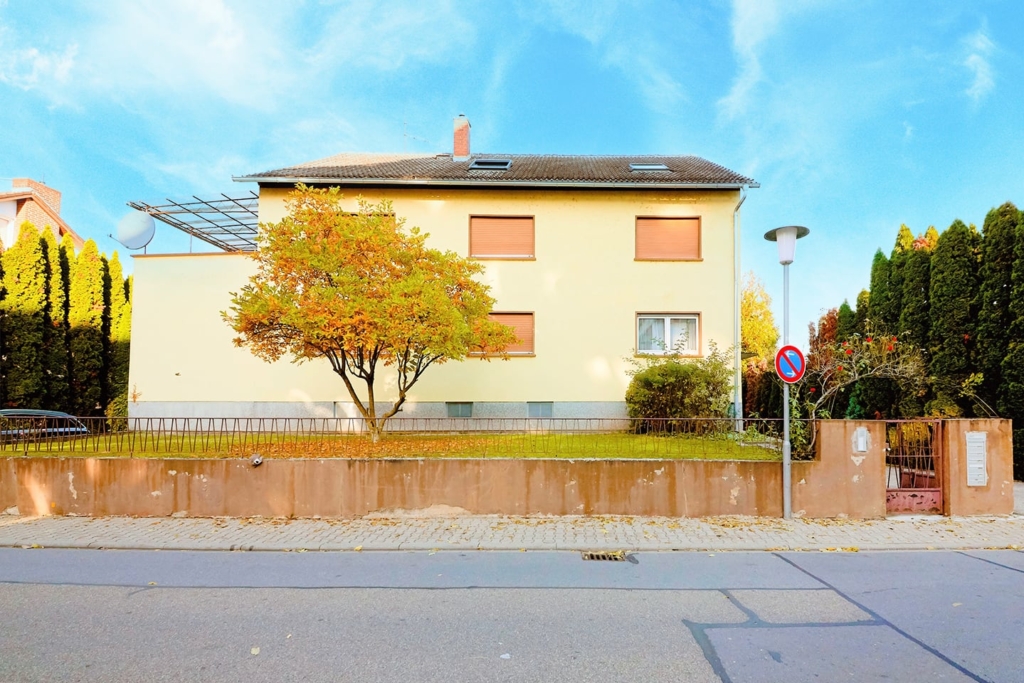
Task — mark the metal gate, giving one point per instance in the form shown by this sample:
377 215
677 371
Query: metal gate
913 457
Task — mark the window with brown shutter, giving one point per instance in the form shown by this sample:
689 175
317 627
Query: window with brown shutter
668 239
522 323
501 237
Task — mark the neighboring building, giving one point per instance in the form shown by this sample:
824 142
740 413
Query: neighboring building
590 258
35 203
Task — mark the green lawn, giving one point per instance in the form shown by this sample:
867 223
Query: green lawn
509 445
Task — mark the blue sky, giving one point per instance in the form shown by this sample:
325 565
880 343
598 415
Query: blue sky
854 116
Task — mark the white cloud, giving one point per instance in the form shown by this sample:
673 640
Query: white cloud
388 35
753 22
980 48
624 41
192 47
30 68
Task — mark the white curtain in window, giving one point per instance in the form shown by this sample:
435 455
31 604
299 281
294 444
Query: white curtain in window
684 335
652 334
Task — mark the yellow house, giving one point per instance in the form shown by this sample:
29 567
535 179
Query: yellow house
593 260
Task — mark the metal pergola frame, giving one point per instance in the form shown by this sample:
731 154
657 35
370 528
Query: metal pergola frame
231 223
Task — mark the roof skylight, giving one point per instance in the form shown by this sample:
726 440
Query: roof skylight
490 165
648 167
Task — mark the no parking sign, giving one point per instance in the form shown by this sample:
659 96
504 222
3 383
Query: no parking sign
790 364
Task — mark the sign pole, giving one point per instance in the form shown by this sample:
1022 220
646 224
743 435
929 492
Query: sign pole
787 473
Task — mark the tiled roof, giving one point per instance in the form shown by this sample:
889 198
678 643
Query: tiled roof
526 169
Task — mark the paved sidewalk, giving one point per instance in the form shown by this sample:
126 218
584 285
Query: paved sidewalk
512 533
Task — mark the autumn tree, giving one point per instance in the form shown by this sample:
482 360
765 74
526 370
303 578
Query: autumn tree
24 319
85 320
760 335
843 365
823 340
360 291
952 295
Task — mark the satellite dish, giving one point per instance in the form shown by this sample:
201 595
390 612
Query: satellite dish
135 230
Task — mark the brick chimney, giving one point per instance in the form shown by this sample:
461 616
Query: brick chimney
461 152
47 194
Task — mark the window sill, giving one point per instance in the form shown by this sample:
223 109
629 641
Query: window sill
510 354
670 260
503 258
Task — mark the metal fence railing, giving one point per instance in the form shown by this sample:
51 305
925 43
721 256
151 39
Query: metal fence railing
746 439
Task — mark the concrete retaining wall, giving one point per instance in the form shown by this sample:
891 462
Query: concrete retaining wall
847 480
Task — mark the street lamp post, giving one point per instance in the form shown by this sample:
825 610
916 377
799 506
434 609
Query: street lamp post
786 238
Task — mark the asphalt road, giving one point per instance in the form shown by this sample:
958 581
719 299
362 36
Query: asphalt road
90 615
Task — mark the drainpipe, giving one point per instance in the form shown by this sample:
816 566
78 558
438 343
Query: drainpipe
737 337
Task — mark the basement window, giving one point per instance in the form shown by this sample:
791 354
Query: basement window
648 167
490 165
460 409
539 409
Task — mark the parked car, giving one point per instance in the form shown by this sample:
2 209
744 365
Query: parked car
20 425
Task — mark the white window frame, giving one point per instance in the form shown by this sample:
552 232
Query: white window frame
666 319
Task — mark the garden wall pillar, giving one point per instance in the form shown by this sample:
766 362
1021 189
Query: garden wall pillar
963 492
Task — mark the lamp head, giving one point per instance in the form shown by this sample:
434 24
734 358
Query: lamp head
786 238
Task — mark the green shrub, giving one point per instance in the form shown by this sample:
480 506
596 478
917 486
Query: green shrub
677 388
117 413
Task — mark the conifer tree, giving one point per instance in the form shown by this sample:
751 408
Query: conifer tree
860 315
897 263
994 287
914 318
55 339
952 294
120 334
85 317
876 397
847 322
880 300
1011 390
24 320
3 350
